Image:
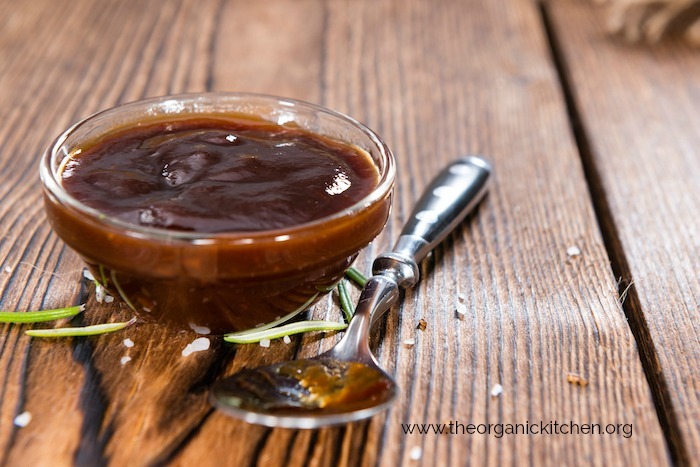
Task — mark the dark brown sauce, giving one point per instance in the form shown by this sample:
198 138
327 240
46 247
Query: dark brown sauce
218 175
269 176
307 386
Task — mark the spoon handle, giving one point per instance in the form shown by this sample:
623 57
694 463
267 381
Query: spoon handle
451 195
444 204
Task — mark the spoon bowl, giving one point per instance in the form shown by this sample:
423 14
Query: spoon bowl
346 384
306 393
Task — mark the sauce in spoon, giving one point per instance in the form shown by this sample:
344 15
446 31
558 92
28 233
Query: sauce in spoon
324 384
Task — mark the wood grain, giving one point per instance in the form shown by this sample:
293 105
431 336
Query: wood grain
129 414
640 110
427 81
436 80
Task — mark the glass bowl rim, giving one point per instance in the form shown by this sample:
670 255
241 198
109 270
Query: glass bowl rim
50 182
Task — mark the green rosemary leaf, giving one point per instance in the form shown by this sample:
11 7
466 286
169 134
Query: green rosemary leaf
276 322
121 291
356 276
345 300
81 331
104 277
19 317
287 330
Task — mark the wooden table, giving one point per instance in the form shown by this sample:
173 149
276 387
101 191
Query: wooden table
595 146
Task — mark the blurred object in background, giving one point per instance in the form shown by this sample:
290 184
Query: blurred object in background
653 20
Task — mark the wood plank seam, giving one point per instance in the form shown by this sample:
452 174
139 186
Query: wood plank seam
618 260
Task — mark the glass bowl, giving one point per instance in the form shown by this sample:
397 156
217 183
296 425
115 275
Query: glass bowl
225 281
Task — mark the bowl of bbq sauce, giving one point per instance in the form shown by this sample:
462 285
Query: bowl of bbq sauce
222 210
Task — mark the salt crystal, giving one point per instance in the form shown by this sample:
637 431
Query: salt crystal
408 343
199 329
109 299
573 251
100 293
416 453
286 339
231 138
197 345
497 390
8 269
128 343
461 310
125 359
23 419
88 275
265 343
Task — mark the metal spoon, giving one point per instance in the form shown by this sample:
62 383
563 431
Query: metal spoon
346 383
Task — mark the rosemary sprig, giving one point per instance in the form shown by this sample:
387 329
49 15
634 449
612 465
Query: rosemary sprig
276 322
104 277
274 331
345 300
287 330
121 291
80 331
356 276
19 317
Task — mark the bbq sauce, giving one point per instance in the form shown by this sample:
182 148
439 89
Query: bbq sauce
218 175
323 386
246 212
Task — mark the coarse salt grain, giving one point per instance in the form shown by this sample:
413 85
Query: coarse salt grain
128 343
497 390
231 138
88 275
125 359
265 343
286 339
461 310
23 419
100 293
198 345
8 269
573 251
416 453
408 343
199 329
109 299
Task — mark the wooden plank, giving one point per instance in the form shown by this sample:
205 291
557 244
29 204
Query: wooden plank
436 80
82 399
640 109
